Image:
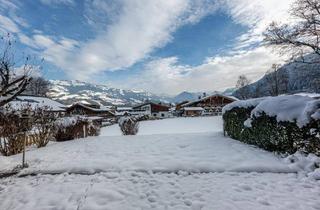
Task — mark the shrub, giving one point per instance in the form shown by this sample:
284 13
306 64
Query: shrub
270 133
43 126
69 128
129 125
12 130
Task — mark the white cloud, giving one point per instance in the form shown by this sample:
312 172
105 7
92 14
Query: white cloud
220 72
8 5
7 25
127 31
165 75
55 2
136 29
10 22
257 15
54 51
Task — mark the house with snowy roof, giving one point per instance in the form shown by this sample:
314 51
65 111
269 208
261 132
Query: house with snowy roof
89 110
207 105
152 109
21 102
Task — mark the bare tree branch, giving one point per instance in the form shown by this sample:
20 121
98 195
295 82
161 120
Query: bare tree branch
303 37
11 85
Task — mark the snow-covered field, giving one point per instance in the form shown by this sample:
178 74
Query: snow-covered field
183 163
172 126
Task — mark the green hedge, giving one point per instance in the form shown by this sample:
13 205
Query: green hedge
265 132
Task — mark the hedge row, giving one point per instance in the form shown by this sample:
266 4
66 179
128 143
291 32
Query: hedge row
267 133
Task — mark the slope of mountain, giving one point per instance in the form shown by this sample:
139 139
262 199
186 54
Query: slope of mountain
72 91
229 91
290 78
185 96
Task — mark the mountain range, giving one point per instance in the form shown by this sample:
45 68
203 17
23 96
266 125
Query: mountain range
291 78
70 91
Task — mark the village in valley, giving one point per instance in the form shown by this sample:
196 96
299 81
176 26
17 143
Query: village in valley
165 105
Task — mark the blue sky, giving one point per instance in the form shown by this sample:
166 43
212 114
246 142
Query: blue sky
159 46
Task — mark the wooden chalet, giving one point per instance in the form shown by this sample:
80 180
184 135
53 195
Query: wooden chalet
179 105
89 110
153 109
211 105
193 111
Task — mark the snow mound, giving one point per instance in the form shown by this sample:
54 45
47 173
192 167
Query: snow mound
292 108
306 163
242 104
286 108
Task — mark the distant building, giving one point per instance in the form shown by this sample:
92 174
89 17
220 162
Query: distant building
192 111
90 111
122 111
211 105
21 102
153 110
179 105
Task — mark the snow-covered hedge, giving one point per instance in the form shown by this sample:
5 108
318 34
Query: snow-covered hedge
69 128
282 123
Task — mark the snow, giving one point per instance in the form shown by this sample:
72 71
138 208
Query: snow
179 163
206 97
305 162
286 108
242 104
133 191
193 108
171 126
34 101
181 144
312 95
67 121
124 108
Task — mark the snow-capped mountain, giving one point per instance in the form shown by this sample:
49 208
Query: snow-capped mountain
70 91
185 96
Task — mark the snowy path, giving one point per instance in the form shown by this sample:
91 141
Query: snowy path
172 164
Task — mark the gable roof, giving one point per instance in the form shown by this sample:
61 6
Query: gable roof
193 108
151 103
205 98
37 101
104 109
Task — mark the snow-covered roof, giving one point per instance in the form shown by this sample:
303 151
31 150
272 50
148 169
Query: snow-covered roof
35 101
205 98
124 108
150 103
312 95
101 109
193 108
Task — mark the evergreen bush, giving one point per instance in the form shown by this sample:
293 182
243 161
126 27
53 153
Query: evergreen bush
266 132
